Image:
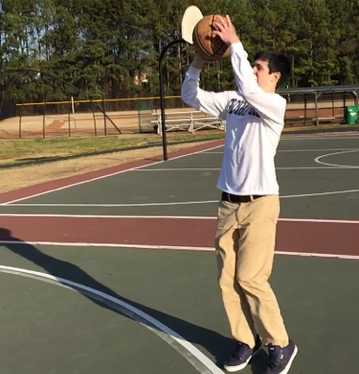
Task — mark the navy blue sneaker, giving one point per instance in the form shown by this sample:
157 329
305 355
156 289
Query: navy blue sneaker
241 356
281 359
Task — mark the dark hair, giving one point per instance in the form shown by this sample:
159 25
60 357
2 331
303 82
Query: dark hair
277 62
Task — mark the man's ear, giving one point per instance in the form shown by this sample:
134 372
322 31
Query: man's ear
276 76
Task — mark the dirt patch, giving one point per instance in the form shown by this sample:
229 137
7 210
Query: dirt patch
17 178
55 125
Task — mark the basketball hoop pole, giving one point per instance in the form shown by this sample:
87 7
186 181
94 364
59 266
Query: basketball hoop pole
162 99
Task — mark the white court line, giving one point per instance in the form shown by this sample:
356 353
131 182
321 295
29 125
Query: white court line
168 217
104 176
277 168
299 150
181 169
109 245
167 247
174 203
323 255
317 160
50 215
117 205
314 220
319 137
318 194
190 352
317 150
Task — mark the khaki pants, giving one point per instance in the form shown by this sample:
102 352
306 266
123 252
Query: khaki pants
245 243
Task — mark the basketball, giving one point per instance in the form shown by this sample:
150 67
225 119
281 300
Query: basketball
207 44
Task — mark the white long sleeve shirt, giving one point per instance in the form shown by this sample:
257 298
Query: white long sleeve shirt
254 122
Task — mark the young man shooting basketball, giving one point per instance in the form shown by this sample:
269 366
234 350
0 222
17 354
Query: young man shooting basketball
249 206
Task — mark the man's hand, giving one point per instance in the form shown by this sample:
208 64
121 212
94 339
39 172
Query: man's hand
226 31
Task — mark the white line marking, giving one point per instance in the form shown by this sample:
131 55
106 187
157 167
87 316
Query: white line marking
169 248
181 169
110 245
171 203
317 150
51 215
320 137
318 220
130 311
116 205
104 176
322 255
318 194
317 160
298 150
169 217
217 169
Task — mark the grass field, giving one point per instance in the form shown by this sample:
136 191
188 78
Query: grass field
32 151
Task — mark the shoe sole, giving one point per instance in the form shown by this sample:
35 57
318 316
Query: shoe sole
232 369
289 364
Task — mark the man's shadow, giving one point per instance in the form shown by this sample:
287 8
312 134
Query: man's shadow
219 346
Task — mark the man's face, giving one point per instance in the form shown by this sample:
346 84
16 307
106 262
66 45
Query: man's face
267 81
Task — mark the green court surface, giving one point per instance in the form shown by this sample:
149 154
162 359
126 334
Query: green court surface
56 330
72 304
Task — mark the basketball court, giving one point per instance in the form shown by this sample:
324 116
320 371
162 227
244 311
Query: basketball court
114 271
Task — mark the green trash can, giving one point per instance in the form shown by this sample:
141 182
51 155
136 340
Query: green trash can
351 114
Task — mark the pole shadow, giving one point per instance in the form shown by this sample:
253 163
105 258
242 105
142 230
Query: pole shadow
216 344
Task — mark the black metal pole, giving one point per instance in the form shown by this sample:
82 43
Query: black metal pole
162 99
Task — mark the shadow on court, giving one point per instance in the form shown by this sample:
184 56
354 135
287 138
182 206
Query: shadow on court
218 345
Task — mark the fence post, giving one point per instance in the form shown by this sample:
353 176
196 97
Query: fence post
20 119
104 114
69 115
44 121
316 97
94 116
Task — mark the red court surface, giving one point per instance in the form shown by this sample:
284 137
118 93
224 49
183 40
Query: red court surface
175 233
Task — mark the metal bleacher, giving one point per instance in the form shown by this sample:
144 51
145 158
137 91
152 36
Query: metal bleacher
190 121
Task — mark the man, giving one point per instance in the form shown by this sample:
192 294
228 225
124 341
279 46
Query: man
249 206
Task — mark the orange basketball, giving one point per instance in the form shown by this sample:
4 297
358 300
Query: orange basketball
209 45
